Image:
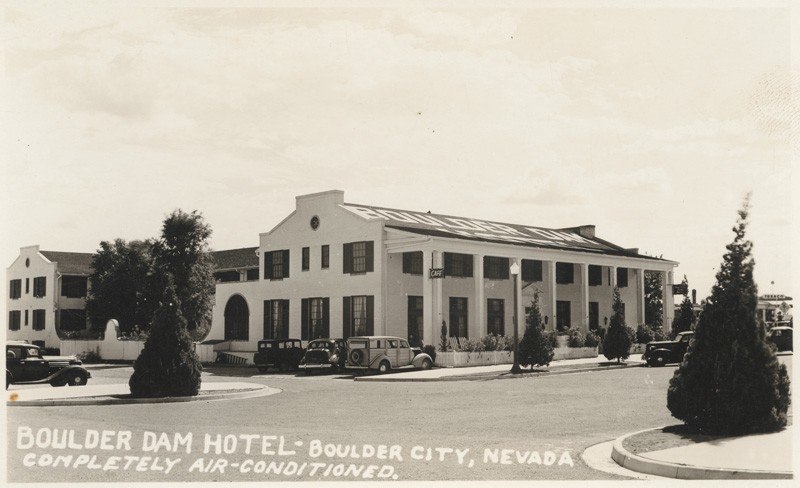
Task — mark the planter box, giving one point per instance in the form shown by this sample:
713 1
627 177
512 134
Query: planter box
452 359
574 353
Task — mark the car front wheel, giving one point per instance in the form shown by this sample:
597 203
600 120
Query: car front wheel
77 379
426 364
384 367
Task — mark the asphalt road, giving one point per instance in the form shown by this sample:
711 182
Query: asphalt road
330 428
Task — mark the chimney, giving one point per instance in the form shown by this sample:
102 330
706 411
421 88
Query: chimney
586 231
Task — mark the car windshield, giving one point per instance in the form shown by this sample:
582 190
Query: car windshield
319 345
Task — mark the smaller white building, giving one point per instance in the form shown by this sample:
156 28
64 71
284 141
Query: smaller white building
46 290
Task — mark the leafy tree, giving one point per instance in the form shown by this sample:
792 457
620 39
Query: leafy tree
182 254
653 300
168 365
684 319
730 380
535 348
122 285
617 340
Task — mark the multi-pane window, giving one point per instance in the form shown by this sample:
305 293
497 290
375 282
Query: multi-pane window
38 319
39 286
495 316
326 256
14 319
622 277
531 270
495 268
315 318
73 286
458 317
415 331
219 276
276 265
15 289
563 318
72 319
412 262
565 273
276 319
306 258
595 275
358 257
252 274
358 315
458 265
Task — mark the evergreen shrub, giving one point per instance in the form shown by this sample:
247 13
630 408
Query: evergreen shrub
619 337
730 381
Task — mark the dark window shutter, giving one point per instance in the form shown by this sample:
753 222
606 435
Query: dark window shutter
622 277
285 319
267 317
407 262
468 266
448 264
347 257
370 256
326 317
370 315
346 318
304 319
267 265
285 263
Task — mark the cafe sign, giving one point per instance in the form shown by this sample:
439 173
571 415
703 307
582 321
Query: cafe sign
436 273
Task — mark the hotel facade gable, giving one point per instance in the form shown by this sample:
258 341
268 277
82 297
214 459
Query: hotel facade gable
336 269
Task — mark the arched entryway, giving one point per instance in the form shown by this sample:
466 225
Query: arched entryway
237 319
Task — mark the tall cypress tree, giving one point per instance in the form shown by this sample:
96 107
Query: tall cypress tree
730 380
168 365
616 342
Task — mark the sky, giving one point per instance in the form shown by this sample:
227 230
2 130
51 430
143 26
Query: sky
652 124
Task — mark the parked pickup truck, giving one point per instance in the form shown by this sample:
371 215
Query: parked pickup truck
25 365
659 353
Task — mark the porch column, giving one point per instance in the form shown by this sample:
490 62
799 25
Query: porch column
613 280
584 325
640 294
478 324
438 301
430 331
668 300
549 268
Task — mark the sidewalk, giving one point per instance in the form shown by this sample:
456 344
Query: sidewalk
109 394
500 371
761 456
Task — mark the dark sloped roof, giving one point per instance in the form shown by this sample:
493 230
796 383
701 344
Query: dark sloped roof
488 231
236 258
79 263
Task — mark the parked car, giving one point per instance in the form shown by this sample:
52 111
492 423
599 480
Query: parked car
384 353
781 336
284 354
324 354
659 353
25 365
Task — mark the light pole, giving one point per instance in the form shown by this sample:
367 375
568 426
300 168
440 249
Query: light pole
515 369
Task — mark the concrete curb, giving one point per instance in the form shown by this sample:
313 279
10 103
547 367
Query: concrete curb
498 376
640 464
108 400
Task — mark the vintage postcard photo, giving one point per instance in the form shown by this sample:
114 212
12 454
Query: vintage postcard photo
429 242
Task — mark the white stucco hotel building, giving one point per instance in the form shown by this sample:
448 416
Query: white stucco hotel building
336 269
